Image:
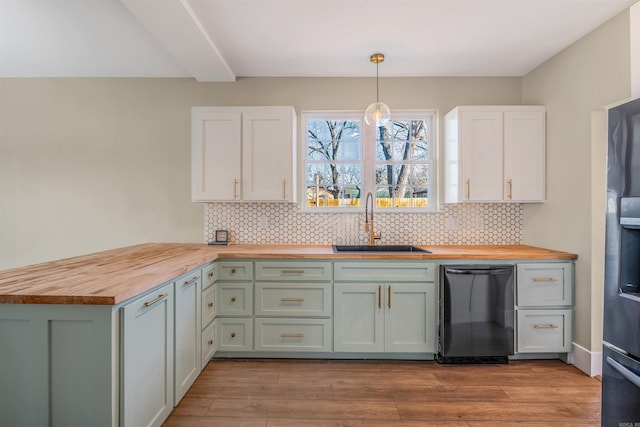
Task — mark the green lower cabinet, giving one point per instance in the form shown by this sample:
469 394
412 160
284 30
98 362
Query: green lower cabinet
57 365
293 335
188 336
147 360
234 334
382 317
544 331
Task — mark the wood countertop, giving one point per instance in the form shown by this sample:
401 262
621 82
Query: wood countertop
111 277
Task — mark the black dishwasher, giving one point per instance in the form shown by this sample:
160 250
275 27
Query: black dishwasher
476 314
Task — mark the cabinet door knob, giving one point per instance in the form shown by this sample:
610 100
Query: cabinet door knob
210 305
210 342
233 334
233 299
210 275
233 271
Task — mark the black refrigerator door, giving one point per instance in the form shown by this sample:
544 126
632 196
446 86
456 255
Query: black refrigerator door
620 389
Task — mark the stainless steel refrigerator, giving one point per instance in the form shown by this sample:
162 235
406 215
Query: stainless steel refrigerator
621 350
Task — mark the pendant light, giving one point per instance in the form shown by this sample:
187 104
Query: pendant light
377 113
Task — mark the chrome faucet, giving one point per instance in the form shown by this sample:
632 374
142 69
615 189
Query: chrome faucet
368 220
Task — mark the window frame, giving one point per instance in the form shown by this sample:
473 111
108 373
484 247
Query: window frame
368 158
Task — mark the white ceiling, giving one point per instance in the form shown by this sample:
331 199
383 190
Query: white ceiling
220 40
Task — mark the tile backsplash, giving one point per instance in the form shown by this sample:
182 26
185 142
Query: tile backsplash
284 223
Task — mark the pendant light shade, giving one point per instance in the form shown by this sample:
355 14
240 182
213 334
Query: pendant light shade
377 113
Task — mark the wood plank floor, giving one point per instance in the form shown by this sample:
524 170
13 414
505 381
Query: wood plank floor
320 393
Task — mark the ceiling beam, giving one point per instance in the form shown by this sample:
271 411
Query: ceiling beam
176 27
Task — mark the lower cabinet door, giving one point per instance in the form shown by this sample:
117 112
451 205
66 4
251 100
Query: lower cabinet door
410 323
209 307
209 343
293 335
358 316
234 299
187 333
234 334
544 331
147 363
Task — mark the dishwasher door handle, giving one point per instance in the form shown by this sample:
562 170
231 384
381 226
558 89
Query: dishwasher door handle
476 272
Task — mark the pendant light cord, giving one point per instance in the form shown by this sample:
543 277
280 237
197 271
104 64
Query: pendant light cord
377 83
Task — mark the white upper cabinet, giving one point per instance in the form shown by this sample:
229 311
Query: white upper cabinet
243 154
524 155
216 135
495 154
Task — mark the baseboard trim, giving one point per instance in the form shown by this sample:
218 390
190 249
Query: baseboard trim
589 362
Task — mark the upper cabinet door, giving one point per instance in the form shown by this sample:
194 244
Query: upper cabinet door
524 155
494 154
482 153
215 154
243 153
268 154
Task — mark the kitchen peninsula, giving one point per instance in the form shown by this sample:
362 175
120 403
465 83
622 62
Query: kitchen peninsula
80 336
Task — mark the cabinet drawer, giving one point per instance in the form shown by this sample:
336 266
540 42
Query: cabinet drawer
208 344
544 331
292 299
293 335
544 284
383 272
293 271
209 276
235 270
235 299
209 306
234 334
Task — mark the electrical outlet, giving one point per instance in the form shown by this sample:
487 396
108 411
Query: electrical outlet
263 222
452 223
479 223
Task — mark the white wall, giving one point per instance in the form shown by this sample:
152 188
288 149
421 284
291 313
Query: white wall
93 164
584 78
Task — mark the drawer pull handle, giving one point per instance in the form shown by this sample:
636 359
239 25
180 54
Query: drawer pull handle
292 299
292 271
187 283
545 279
233 334
389 293
291 336
210 342
379 296
233 299
545 326
210 275
156 300
210 305
233 271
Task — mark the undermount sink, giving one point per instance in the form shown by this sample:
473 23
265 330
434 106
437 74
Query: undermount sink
378 248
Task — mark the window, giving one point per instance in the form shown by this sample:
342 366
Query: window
345 159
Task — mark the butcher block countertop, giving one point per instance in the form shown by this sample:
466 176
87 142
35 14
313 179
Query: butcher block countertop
111 277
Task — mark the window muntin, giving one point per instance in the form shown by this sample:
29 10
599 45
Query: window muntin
340 167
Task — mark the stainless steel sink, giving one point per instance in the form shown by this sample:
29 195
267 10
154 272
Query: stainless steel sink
378 248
